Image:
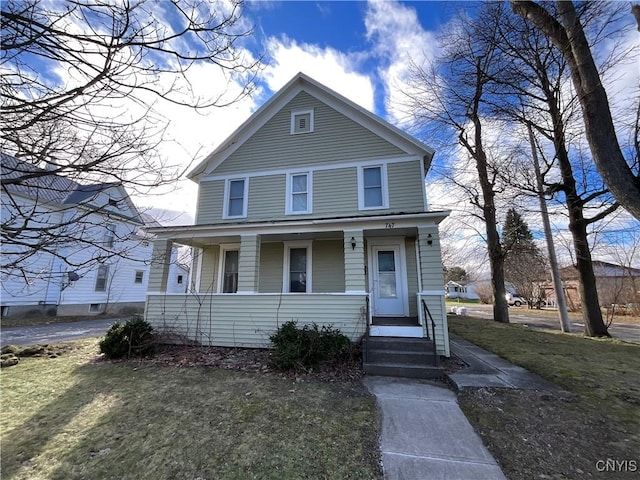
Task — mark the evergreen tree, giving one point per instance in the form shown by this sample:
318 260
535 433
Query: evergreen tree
524 263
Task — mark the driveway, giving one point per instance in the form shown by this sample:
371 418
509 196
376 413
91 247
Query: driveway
55 332
629 332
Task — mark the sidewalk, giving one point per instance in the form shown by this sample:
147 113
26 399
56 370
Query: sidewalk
425 435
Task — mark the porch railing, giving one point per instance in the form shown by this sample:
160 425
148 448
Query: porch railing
366 331
427 314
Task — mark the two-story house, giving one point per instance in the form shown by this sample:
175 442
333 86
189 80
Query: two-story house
70 248
313 210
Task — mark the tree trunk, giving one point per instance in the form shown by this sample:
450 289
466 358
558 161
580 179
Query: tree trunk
569 37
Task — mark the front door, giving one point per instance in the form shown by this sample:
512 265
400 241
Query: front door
386 281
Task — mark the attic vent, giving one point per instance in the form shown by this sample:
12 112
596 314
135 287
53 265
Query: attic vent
302 121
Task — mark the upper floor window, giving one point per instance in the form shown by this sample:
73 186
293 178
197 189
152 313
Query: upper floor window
101 278
302 121
235 205
109 235
139 276
372 187
299 193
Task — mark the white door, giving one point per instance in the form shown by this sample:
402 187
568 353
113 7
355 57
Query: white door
386 281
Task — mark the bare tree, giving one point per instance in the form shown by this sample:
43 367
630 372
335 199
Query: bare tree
564 27
451 95
81 87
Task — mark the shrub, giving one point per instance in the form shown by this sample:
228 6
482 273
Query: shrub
307 347
133 338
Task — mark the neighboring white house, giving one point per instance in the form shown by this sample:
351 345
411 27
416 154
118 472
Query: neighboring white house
95 258
461 290
313 210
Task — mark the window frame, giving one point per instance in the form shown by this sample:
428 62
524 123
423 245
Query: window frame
309 192
227 199
110 235
383 186
135 278
286 274
98 278
297 113
227 247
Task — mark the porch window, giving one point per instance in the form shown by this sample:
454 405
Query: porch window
372 191
298 193
230 271
236 198
101 278
297 268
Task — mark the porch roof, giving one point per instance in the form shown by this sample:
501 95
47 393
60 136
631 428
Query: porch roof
393 223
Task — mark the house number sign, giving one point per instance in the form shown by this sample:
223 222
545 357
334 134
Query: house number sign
389 225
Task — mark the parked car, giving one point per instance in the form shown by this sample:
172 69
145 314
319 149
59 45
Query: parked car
515 299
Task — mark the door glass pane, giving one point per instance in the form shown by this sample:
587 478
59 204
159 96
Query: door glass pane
230 274
387 285
298 270
386 262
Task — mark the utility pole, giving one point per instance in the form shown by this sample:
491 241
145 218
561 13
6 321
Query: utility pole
565 324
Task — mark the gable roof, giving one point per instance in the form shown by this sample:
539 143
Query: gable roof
45 186
299 83
601 270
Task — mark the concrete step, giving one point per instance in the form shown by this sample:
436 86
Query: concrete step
400 356
403 370
405 344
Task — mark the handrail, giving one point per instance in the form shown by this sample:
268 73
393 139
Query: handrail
366 332
425 311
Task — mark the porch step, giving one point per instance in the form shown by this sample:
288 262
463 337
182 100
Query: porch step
396 321
400 357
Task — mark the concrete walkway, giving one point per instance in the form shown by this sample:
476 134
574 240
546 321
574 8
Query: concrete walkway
487 369
425 435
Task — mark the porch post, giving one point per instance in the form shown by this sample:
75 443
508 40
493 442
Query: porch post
249 263
354 262
160 263
432 279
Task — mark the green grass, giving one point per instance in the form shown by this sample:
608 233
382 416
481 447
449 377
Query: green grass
604 372
71 417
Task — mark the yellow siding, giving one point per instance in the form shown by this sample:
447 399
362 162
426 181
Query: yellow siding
266 197
328 266
438 312
335 192
335 138
271 263
406 187
248 320
412 275
209 277
210 202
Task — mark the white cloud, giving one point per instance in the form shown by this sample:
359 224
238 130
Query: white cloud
335 69
398 39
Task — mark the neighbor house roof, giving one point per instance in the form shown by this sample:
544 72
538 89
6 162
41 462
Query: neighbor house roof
601 270
299 83
44 186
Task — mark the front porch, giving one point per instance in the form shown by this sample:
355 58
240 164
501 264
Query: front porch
358 275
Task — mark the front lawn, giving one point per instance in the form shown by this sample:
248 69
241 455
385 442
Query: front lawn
565 435
74 417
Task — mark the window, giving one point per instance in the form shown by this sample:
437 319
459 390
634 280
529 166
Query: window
229 261
139 276
299 193
95 308
113 203
4 311
297 268
179 279
302 121
109 235
236 198
101 278
372 191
